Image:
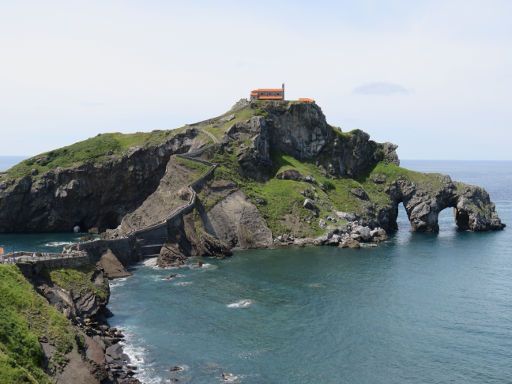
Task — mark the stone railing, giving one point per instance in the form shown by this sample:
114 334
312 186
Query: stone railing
176 212
39 257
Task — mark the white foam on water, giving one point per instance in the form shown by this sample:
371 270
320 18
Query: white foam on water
203 266
58 243
183 284
150 262
117 282
137 356
230 378
245 303
316 285
170 278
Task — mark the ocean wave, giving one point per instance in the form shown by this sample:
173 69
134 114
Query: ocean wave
150 262
137 356
117 282
205 266
245 303
58 243
171 277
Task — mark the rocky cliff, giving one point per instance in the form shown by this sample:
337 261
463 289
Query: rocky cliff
87 194
53 328
282 170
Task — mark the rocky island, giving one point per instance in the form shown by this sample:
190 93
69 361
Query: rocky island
264 174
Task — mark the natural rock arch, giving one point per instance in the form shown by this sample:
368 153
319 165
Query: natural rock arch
474 210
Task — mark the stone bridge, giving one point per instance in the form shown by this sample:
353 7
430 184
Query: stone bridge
31 263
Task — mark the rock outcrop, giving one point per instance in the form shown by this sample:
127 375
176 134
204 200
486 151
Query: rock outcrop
165 208
111 266
88 196
98 357
170 194
189 238
237 222
301 130
474 210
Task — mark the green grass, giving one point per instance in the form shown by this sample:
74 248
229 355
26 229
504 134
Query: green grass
218 128
197 167
25 316
103 147
423 180
78 281
94 150
337 190
283 197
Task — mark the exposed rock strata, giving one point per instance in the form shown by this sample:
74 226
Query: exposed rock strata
170 194
111 266
99 358
90 196
237 222
190 239
146 185
300 130
474 210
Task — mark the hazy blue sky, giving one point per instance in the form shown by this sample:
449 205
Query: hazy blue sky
435 77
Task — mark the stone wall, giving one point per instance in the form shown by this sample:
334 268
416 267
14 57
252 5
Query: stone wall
34 268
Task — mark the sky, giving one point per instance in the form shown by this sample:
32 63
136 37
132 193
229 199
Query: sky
434 77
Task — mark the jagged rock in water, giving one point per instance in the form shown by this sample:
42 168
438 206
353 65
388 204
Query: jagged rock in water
190 239
474 210
171 256
111 266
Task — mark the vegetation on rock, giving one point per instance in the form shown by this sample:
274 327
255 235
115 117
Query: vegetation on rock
94 150
79 281
25 319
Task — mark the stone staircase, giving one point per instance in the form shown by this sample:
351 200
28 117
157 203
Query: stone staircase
147 242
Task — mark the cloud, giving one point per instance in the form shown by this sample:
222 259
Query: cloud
380 88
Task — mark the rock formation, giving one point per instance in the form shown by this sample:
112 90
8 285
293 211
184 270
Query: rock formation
82 297
111 266
90 196
473 208
282 170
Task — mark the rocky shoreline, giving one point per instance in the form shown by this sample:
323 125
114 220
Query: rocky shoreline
115 365
99 357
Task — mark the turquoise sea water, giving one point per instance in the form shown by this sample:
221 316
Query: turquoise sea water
420 308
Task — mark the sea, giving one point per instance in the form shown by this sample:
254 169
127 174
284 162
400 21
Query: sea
420 308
